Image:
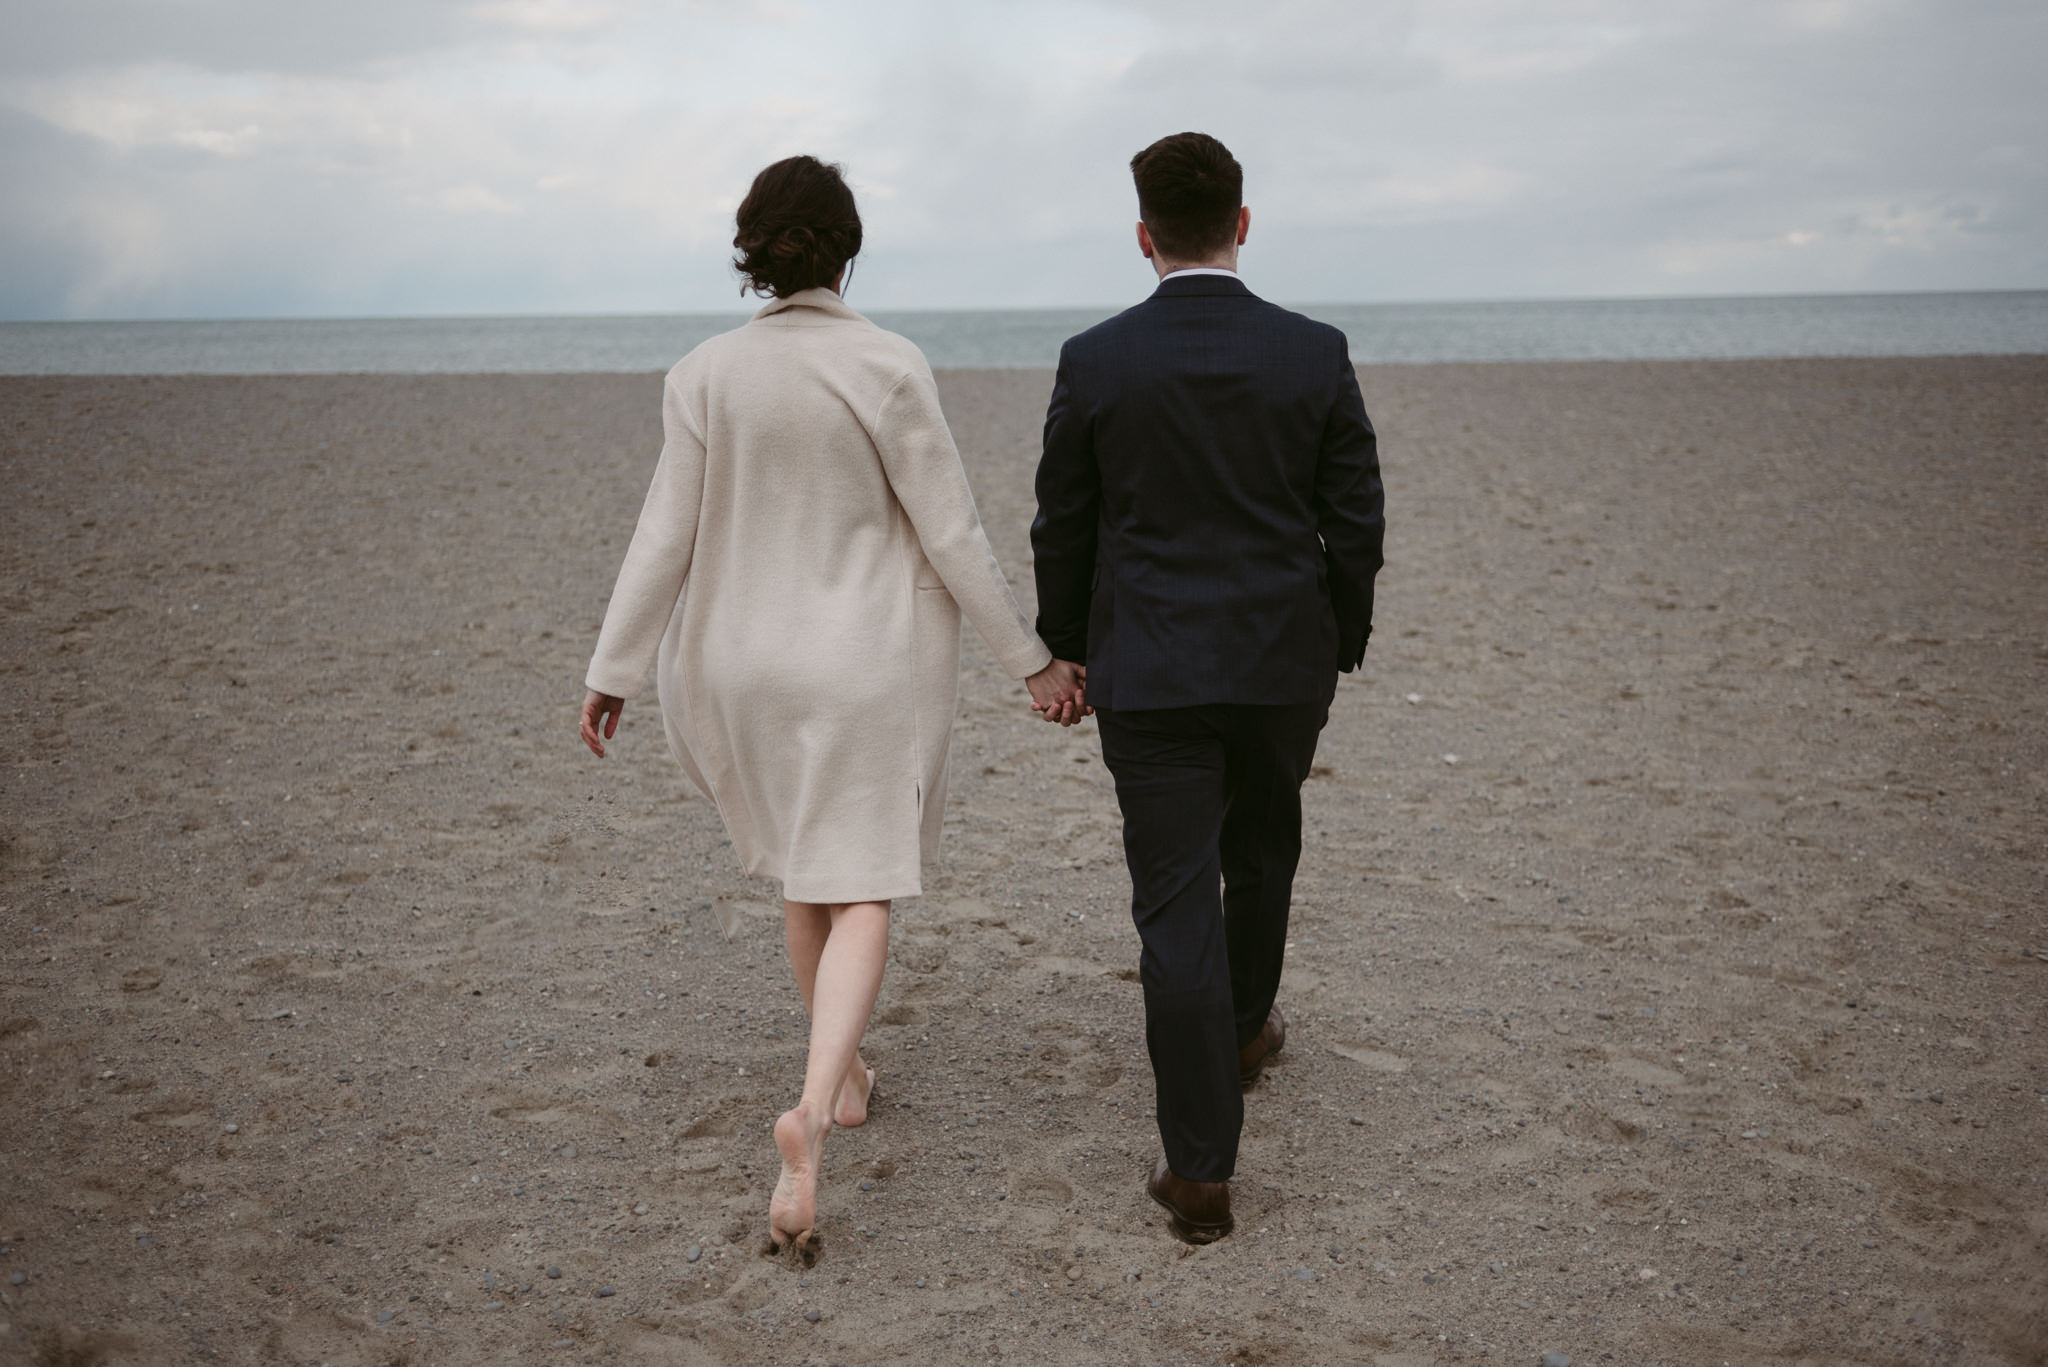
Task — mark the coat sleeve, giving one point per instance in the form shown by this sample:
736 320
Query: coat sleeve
1063 532
658 560
925 473
1350 508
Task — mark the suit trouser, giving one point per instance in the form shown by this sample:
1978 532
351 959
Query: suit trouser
1210 795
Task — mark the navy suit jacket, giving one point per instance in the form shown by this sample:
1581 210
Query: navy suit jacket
1209 503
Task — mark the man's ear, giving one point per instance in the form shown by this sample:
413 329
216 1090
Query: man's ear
1244 222
1145 240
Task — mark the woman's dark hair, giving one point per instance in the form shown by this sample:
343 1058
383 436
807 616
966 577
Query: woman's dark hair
1189 191
797 228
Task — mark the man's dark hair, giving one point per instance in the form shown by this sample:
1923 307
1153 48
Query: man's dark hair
1189 191
798 228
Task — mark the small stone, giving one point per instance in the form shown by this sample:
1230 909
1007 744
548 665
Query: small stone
386 1316
1557 1360
494 1305
1358 1120
1302 1274
693 1253
1496 1267
568 1150
920 1283
1132 1274
563 1343
605 1291
640 1210
1074 1273
1450 759
867 1186
1648 1274
554 1274
18 1279
813 1315
490 1280
231 1127
78 1260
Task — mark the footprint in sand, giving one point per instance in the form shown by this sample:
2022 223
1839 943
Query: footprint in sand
1042 1189
1379 1060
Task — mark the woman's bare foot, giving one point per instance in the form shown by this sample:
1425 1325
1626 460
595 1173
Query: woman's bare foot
850 1107
793 1209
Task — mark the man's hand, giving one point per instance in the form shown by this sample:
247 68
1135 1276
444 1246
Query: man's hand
1059 692
600 706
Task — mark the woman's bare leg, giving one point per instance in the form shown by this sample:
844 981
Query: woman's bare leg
844 978
805 928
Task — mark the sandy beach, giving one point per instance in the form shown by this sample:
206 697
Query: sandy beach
1668 983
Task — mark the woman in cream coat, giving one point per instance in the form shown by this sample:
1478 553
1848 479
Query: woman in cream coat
796 584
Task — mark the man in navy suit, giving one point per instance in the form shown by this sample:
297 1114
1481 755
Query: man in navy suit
1208 530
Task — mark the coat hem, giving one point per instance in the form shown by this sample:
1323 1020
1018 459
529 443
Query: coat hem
837 897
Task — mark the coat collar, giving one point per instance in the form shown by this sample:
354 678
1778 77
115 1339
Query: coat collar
1186 285
820 297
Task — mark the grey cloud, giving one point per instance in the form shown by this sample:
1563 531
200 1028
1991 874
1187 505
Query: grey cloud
47 37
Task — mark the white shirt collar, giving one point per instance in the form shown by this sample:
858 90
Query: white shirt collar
1198 270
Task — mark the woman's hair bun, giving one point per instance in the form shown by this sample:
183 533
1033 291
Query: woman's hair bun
797 228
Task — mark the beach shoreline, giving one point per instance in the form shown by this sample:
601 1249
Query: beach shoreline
1668 966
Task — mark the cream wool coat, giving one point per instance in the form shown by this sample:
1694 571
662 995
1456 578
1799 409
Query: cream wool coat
796 581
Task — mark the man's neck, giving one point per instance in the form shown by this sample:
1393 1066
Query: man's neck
1166 268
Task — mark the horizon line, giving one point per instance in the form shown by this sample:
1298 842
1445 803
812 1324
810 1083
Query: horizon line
1028 308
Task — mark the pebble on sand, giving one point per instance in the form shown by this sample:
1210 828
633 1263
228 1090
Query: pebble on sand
604 1291
18 1279
693 1253
1557 1360
386 1316
231 1127
813 1315
554 1273
640 1210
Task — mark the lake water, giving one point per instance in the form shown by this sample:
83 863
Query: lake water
1994 323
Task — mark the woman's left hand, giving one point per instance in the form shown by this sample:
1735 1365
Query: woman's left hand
600 706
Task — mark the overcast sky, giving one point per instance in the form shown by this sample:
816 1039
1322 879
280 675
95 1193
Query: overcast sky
201 158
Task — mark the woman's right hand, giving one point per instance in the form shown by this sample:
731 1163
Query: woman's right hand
1059 692
600 706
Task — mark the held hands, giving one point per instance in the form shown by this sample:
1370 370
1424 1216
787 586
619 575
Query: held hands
600 707
1059 692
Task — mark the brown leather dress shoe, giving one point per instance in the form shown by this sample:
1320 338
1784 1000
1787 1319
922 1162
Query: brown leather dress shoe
1251 1059
1200 1211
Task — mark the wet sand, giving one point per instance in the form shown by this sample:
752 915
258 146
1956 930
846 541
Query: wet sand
1667 980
